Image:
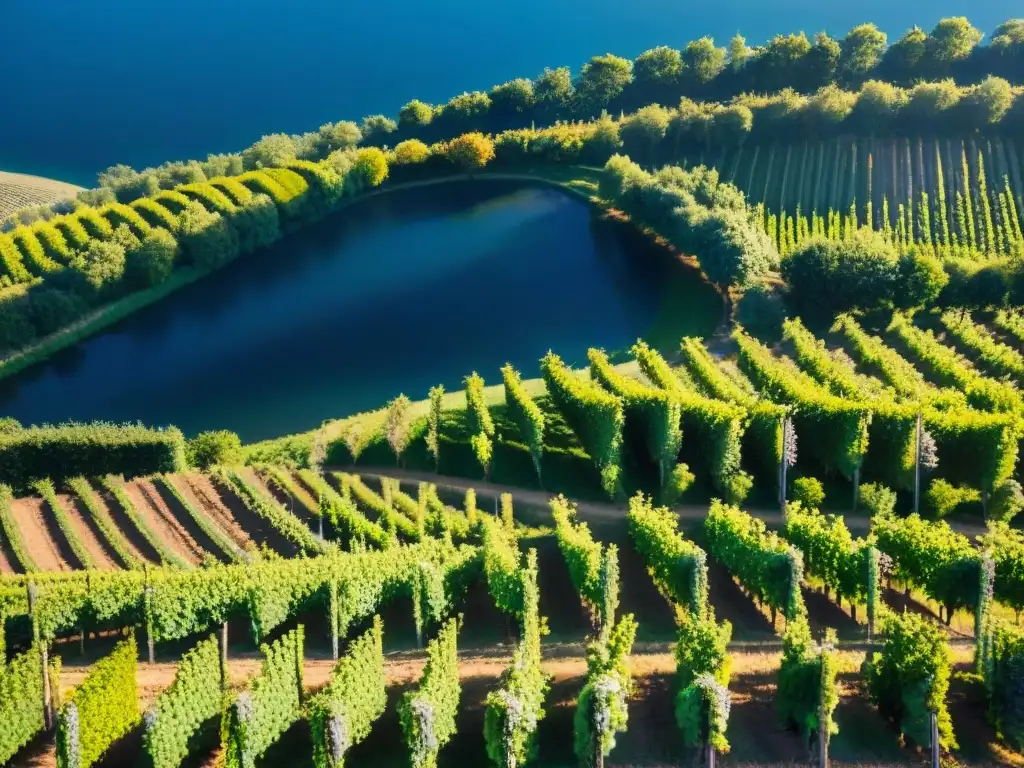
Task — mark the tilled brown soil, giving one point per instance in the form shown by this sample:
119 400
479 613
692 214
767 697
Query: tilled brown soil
87 533
29 514
154 510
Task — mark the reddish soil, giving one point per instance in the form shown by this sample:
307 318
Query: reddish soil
152 508
260 529
30 516
87 533
200 492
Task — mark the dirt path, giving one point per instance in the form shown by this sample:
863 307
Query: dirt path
29 516
199 491
154 510
86 533
5 564
594 510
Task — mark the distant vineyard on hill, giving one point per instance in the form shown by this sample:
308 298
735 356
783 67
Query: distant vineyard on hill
18 191
959 183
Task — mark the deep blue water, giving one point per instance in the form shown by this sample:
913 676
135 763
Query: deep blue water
89 83
395 294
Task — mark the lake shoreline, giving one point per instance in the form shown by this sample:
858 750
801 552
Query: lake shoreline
107 315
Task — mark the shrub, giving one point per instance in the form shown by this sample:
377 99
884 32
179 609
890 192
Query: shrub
526 414
808 687
829 276
411 152
219 447
102 264
761 309
89 450
877 499
1003 667
370 168
809 492
921 278
471 151
942 497
679 482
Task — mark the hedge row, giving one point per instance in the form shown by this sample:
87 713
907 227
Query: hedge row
268 706
1003 671
388 518
909 678
762 442
596 417
526 414
428 714
514 710
345 709
678 567
766 566
87 450
343 514
21 700
582 554
194 698
717 426
103 709
502 568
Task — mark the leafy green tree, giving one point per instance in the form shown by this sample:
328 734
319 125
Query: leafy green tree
377 129
828 276
702 61
415 115
730 126
512 99
952 39
644 130
920 281
733 252
739 52
656 73
821 62
102 264
779 59
151 263
603 140
207 239
860 52
467 111
257 222
877 107
471 151
985 104
602 79
930 103
553 91
903 61
273 151
215 448
340 135
827 110
370 168
411 152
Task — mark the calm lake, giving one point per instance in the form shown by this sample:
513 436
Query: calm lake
397 293
93 83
